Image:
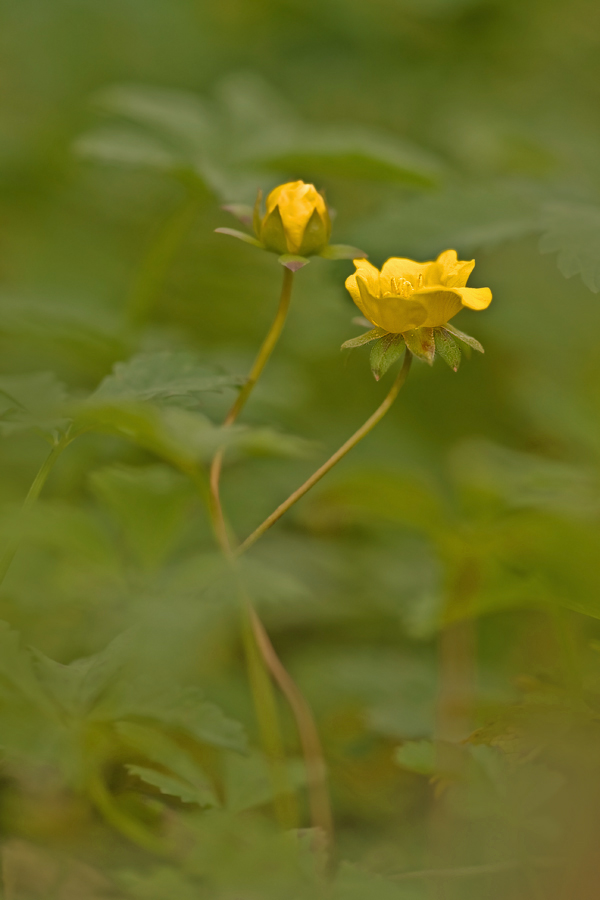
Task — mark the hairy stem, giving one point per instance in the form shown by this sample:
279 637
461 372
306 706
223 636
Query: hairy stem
333 460
32 495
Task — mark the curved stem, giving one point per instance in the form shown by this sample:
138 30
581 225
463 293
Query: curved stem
331 462
262 358
32 495
318 795
130 828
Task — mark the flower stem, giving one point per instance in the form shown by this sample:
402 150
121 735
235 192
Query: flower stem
32 495
331 462
159 257
284 800
262 358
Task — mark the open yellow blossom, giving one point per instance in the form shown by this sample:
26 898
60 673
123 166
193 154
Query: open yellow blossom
406 295
296 220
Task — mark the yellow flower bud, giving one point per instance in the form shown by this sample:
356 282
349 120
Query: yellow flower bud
407 295
296 220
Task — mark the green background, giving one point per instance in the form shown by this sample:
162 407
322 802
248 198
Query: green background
455 550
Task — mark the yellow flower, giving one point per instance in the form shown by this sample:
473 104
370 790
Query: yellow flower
406 295
296 220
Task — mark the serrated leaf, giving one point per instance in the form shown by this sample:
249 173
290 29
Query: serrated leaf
167 377
166 752
179 708
342 251
175 787
447 348
416 756
32 402
573 231
363 339
421 344
240 235
79 685
465 338
385 353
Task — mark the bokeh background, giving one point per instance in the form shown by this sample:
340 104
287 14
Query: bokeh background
437 596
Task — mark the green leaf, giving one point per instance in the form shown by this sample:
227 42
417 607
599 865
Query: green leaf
32 402
248 782
163 750
78 686
342 251
354 153
203 795
365 338
178 708
465 338
17 671
573 231
292 262
149 503
465 216
416 756
385 353
241 211
421 344
167 377
447 348
240 235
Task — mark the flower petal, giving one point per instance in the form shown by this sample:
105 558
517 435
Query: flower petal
399 267
393 314
454 272
440 304
475 298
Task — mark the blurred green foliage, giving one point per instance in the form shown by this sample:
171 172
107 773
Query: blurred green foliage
437 596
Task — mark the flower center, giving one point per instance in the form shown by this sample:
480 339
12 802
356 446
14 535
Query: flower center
401 287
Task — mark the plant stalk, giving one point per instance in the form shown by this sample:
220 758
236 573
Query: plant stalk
333 460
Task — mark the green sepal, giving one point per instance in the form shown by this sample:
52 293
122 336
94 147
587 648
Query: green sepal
272 232
240 235
242 212
316 235
256 217
342 251
385 353
363 339
293 263
465 338
447 348
421 343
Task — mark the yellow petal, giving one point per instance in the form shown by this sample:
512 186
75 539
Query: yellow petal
440 305
398 267
454 272
475 298
391 313
296 201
